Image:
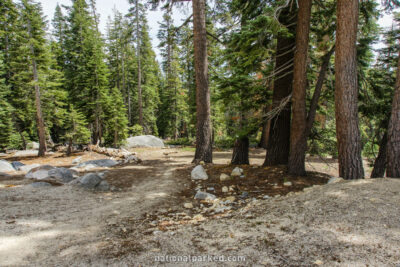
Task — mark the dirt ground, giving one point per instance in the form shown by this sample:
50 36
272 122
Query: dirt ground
350 223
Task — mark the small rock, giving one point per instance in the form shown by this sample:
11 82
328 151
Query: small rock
242 176
210 189
204 196
266 197
225 189
198 173
335 180
230 199
287 184
202 162
237 172
17 165
232 188
188 205
224 177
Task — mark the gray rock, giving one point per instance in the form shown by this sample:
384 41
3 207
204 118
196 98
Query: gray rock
5 166
17 165
204 196
90 180
99 163
237 172
40 184
32 146
103 186
62 175
27 168
26 153
198 173
4 174
143 141
39 173
131 159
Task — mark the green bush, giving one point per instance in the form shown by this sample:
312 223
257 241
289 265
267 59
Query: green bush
136 130
181 142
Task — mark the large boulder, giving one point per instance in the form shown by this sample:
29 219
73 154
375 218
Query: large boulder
62 175
39 173
5 166
32 145
198 173
17 165
143 141
98 163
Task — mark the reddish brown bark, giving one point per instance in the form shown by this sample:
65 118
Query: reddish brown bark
346 91
298 139
393 145
203 112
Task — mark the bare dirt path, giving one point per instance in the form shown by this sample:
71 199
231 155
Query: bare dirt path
65 225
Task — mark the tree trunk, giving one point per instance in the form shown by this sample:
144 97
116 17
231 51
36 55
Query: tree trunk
393 145
279 134
346 91
265 132
39 115
317 92
298 139
69 148
240 153
203 112
140 104
380 161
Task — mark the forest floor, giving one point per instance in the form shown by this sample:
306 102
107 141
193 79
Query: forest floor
351 223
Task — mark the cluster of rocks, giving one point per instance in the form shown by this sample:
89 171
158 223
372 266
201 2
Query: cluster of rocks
218 205
47 175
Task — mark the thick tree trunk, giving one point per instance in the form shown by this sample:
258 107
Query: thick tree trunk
240 153
140 104
203 112
39 115
380 161
265 132
393 145
346 91
279 134
298 139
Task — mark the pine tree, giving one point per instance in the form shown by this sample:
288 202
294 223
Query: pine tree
6 125
116 120
76 131
86 71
